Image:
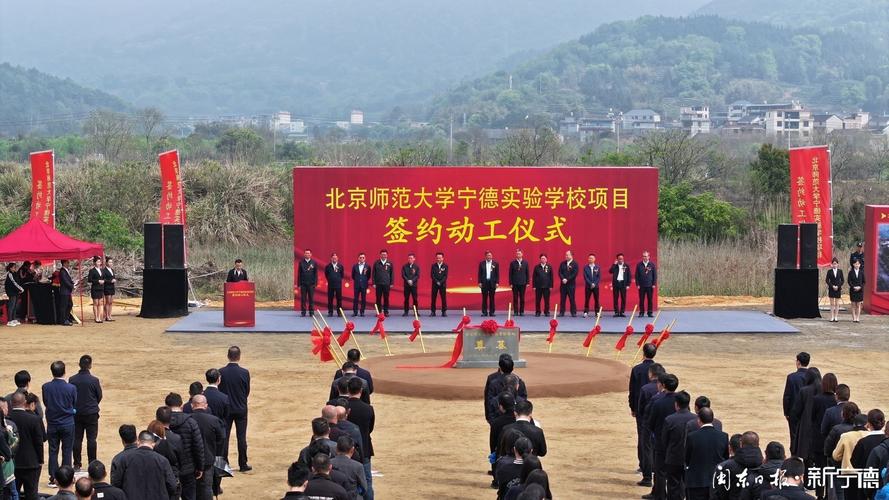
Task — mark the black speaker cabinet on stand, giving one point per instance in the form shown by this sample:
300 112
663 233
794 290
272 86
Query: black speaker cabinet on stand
154 245
174 246
796 293
788 245
808 246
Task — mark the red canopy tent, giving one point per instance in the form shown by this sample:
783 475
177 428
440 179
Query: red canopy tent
37 240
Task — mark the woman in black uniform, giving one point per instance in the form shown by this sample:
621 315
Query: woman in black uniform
110 280
834 282
856 289
97 289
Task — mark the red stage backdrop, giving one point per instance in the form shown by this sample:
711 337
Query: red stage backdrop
43 191
463 211
172 209
810 195
876 259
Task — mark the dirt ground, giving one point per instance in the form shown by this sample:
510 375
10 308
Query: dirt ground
438 450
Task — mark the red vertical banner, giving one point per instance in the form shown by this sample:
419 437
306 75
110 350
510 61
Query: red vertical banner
43 187
876 259
172 209
810 195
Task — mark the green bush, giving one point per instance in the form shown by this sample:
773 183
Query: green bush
682 215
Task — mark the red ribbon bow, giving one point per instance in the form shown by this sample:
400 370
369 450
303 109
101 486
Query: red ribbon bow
416 330
649 329
622 342
509 324
465 320
321 343
378 327
347 334
553 324
590 336
663 337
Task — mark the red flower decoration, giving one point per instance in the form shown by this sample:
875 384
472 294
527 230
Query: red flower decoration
490 326
509 324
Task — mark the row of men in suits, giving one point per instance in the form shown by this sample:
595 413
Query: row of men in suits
685 454
381 274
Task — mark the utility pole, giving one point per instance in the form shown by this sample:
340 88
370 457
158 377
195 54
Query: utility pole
451 140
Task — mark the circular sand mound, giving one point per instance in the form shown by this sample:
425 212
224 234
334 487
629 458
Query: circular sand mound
547 375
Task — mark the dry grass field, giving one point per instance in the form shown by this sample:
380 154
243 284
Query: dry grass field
428 449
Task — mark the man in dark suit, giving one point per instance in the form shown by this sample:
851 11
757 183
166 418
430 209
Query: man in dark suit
307 277
523 423
334 273
646 394
218 400
792 386
673 437
704 450
235 383
646 280
362 415
518 280
213 431
655 415
86 420
495 384
620 280
360 282
488 278
143 474
354 355
701 402
568 283
439 284
66 288
60 399
191 465
638 378
792 482
592 275
410 275
29 457
543 282
382 276
238 273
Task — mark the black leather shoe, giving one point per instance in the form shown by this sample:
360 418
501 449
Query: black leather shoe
432 314
537 315
444 314
405 313
644 482
246 468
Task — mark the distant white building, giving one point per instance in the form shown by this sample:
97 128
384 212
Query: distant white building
790 121
695 119
357 117
641 119
828 122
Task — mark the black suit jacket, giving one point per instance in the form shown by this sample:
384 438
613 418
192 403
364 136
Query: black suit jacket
834 281
410 272
792 386
483 274
440 277
853 280
532 432
518 273
568 272
213 432
362 415
656 413
235 384
644 279
543 277
94 275
614 270
704 450
383 275
219 403
307 275
363 374
673 436
638 378
334 278
234 277
66 284
361 279
31 438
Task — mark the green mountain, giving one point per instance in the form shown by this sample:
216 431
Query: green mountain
662 63
316 58
872 15
34 101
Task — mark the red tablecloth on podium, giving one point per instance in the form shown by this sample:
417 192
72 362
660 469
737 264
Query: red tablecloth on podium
240 304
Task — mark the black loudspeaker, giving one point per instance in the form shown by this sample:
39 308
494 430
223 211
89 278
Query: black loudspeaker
174 246
164 293
796 293
154 245
788 245
808 246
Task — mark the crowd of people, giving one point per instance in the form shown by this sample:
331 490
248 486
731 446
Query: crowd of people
182 453
542 277
23 306
836 450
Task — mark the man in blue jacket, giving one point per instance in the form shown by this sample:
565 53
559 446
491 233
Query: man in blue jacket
646 280
60 399
89 395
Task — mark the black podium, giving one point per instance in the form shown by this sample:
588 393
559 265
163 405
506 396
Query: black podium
41 303
796 293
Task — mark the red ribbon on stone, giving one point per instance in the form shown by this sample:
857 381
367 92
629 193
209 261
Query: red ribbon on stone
465 320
